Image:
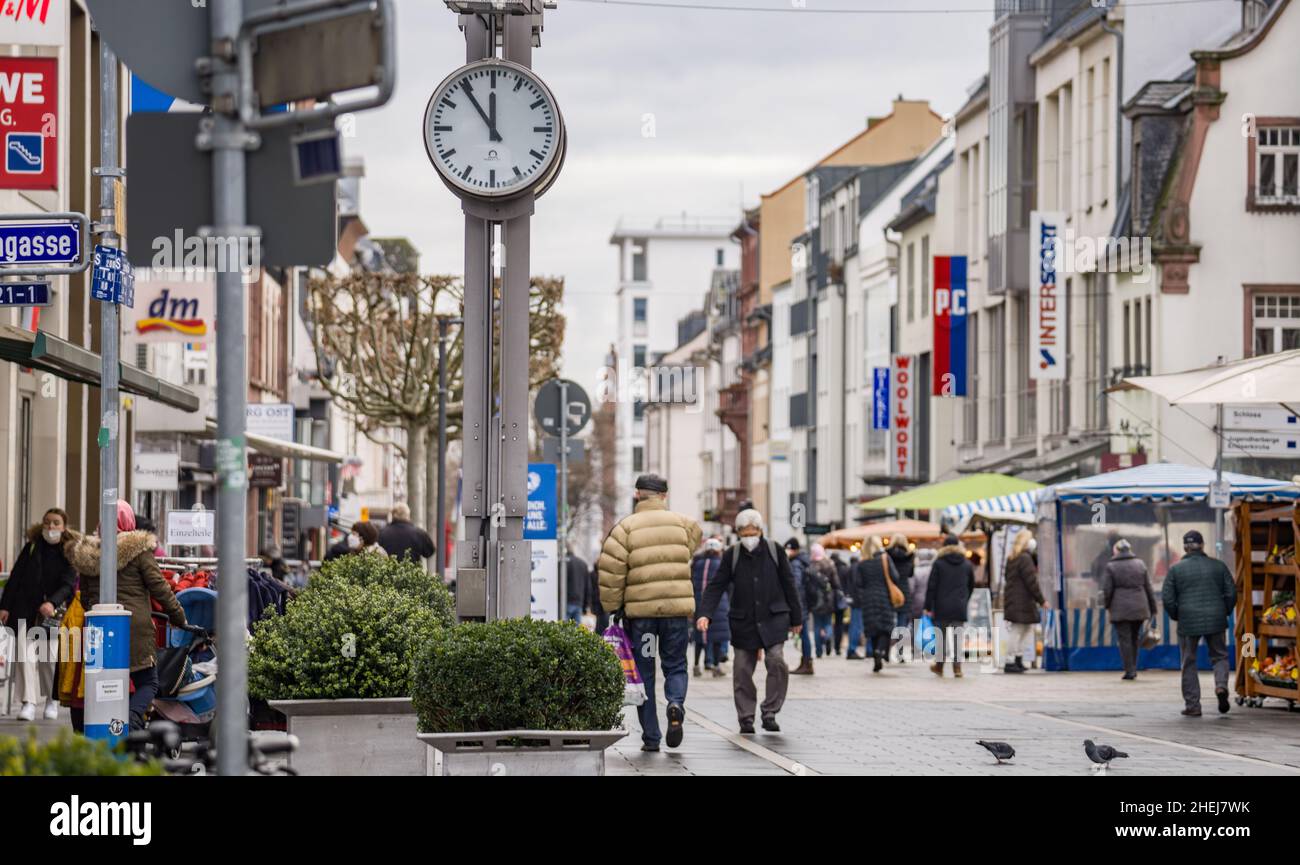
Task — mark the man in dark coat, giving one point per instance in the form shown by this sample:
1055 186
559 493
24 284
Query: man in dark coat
947 597
1199 594
577 592
42 580
1130 601
764 608
401 537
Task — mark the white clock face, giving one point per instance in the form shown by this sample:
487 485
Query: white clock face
493 129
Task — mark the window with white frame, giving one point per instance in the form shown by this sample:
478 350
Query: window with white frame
1276 323
1277 165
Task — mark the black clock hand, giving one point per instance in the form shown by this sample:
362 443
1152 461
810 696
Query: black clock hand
492 132
492 115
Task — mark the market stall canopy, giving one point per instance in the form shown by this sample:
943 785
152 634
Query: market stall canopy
1017 507
49 353
1168 482
1265 380
286 450
915 530
971 488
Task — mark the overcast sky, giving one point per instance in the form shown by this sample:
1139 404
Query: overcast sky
741 102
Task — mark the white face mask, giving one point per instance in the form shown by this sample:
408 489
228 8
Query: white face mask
749 543
354 542
53 536
1033 545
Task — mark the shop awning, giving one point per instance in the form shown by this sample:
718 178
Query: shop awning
44 351
1264 380
278 448
915 530
1169 482
936 497
1016 503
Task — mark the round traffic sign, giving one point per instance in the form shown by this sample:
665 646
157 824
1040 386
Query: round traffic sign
552 407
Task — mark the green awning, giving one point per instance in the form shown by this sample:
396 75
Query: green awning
934 497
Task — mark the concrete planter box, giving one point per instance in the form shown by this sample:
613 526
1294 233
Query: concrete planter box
546 752
355 737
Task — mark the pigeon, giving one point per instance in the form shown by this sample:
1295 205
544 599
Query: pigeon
1101 754
1000 750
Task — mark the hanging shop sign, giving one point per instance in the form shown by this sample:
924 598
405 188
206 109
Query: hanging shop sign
950 303
1048 333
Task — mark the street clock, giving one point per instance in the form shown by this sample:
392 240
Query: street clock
494 131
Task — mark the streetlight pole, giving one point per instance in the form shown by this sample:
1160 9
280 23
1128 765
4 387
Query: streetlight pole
109 330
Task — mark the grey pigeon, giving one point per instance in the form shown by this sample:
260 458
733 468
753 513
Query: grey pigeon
1000 750
1101 754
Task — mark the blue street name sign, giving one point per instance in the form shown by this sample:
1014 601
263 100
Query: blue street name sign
112 279
40 243
24 294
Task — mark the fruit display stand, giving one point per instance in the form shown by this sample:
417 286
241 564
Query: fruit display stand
1266 575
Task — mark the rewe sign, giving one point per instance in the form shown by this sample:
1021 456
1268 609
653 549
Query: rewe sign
902 400
29 121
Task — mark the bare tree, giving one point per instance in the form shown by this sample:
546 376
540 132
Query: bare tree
378 333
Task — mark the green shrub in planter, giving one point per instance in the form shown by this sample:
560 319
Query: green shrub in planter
67 755
340 640
408 577
517 674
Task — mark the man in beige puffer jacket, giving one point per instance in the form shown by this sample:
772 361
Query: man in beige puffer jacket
645 575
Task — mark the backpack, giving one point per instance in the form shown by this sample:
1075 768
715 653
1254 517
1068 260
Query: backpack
771 551
821 594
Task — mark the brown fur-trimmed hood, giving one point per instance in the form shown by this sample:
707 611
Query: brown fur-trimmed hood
70 537
949 548
84 554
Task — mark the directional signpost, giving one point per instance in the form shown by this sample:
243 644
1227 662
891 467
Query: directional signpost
112 279
241 58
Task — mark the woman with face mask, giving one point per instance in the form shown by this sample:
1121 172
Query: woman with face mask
42 581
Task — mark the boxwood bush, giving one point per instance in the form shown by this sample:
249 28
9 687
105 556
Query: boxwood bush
517 674
408 577
340 639
67 755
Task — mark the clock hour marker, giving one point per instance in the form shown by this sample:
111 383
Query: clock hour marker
535 128
448 102
537 103
519 83
447 155
536 155
494 79
448 129
518 173
492 177
465 174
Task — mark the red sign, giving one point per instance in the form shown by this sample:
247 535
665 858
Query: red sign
29 112
1116 462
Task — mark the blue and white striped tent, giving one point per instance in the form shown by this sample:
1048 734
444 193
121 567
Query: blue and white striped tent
1015 503
1169 482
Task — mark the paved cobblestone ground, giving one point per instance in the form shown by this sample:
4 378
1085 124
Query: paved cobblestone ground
845 720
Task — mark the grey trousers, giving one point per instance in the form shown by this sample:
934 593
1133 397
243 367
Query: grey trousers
1218 646
742 681
1127 637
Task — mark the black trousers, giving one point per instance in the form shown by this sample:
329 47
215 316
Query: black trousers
837 631
1127 635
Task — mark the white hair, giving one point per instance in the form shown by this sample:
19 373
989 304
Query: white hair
750 517
402 511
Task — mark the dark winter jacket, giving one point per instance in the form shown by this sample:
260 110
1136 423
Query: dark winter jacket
764 601
1199 595
871 595
1022 596
577 589
704 570
921 582
41 573
817 575
138 580
952 580
904 562
404 538
1127 587
337 551
798 565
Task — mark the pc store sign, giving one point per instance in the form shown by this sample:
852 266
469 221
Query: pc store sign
29 112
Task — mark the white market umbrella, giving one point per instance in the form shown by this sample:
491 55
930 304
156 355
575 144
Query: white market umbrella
1271 379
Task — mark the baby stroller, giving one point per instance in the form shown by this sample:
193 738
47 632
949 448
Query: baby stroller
187 667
